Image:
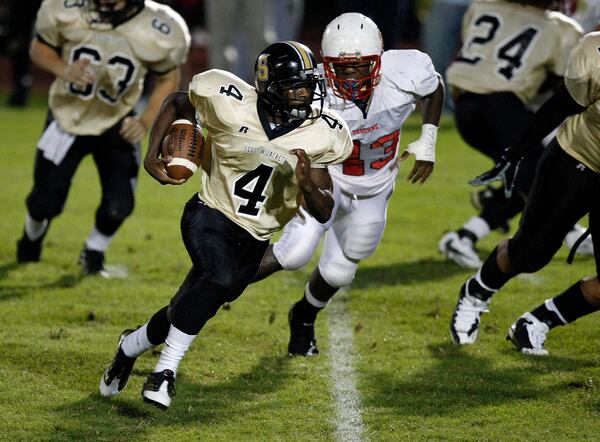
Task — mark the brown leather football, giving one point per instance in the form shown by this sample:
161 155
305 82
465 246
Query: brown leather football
184 142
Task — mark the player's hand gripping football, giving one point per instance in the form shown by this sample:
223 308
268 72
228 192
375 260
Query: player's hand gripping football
157 168
504 171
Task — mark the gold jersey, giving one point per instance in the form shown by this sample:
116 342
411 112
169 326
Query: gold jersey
156 39
510 47
579 135
251 176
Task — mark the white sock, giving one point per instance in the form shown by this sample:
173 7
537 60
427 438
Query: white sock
136 343
312 300
34 229
97 241
176 344
478 226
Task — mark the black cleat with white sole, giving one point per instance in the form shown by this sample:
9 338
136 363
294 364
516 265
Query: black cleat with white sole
115 377
159 389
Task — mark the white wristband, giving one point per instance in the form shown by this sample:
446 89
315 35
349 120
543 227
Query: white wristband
424 148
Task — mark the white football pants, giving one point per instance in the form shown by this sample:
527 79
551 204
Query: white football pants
351 234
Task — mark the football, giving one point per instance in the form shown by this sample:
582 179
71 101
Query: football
184 142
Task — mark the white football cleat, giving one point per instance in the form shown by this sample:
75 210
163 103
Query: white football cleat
586 247
528 334
459 250
159 389
464 326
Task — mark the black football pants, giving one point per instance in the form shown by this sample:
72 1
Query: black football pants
564 191
490 123
117 162
225 258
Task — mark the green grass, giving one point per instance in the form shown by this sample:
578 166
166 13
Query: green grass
59 330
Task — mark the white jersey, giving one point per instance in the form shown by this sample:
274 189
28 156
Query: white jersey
406 76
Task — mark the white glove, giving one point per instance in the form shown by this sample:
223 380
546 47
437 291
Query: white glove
424 148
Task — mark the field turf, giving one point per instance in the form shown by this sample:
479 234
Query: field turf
59 330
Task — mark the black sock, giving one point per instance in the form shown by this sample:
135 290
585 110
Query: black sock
549 317
465 233
305 311
490 273
571 303
477 290
158 327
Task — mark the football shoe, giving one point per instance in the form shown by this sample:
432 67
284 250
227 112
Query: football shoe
459 250
464 326
528 334
479 198
586 247
92 262
302 337
159 388
27 250
115 377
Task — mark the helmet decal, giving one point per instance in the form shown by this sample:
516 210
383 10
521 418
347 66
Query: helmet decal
262 71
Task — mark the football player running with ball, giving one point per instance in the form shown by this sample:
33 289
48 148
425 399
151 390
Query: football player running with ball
374 92
100 51
566 187
270 149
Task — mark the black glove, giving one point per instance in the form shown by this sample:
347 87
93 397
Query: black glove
504 171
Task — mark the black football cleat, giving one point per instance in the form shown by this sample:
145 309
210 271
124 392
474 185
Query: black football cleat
28 250
302 337
91 261
159 389
115 377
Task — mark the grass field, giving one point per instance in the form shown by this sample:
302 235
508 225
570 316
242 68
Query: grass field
59 330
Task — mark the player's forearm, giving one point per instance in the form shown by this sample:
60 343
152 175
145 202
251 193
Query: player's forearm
173 107
164 85
319 203
432 105
47 58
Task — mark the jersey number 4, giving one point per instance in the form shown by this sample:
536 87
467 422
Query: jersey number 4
250 187
510 52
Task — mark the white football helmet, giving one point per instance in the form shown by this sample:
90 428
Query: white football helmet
352 38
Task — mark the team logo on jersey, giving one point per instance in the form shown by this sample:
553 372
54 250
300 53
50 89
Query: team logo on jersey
262 74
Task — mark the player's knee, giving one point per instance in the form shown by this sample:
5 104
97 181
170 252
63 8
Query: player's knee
337 273
360 241
118 210
292 258
44 206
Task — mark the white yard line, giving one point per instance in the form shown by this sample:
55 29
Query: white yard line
348 422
